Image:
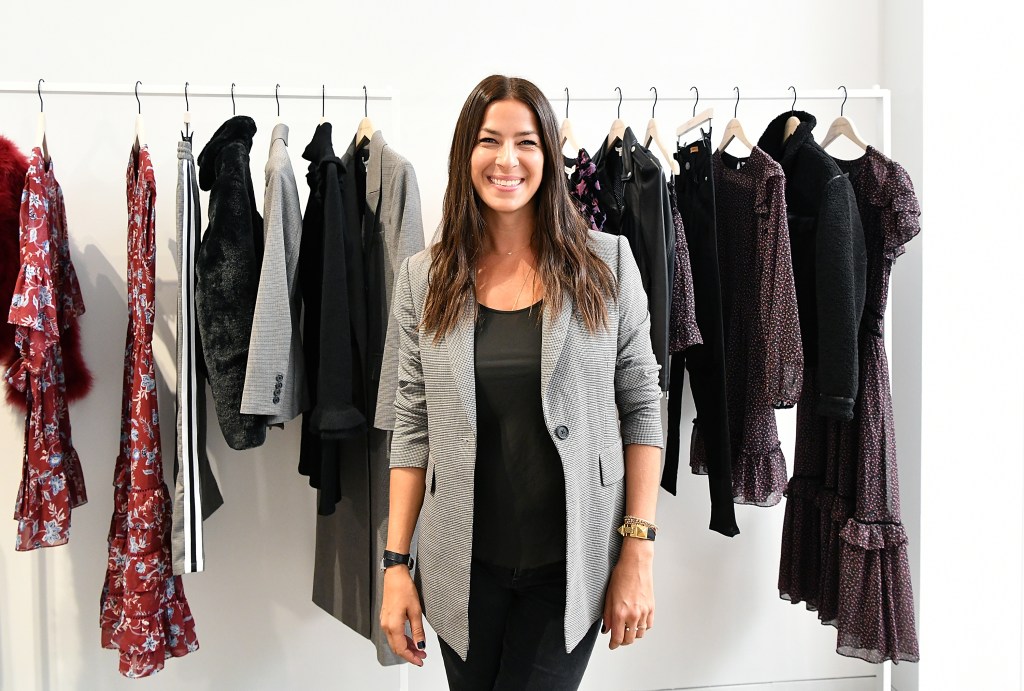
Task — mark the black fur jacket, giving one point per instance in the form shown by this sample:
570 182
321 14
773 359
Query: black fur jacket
227 276
829 260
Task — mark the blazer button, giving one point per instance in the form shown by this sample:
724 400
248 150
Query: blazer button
562 432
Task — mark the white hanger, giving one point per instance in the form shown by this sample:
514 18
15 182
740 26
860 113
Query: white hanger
566 133
843 127
792 122
697 120
652 135
140 126
366 128
618 128
186 118
40 142
323 103
733 129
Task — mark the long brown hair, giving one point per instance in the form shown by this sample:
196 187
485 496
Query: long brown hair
564 260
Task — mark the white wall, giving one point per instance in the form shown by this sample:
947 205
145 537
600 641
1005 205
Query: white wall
972 475
720 621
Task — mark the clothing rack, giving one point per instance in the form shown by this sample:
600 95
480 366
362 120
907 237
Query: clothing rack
884 96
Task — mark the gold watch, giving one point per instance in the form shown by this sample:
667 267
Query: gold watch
638 530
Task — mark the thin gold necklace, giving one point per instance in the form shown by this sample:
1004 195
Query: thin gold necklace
516 303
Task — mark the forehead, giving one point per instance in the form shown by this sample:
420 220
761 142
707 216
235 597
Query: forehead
510 114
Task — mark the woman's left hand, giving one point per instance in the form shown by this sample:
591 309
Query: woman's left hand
629 601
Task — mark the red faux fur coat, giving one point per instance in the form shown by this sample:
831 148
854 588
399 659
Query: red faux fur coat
77 378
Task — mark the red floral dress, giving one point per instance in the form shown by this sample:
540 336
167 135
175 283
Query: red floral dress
46 302
143 610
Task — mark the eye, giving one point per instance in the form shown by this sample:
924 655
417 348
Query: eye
528 142
487 140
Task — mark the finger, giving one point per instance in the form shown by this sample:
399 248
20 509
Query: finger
628 634
410 646
416 625
650 619
617 628
641 629
396 640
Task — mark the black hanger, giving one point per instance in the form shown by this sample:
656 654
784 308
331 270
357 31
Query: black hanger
792 107
736 107
618 108
39 90
278 100
233 113
693 113
653 105
137 96
841 106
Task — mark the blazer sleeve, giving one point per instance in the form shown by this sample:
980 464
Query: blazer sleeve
404 238
267 372
409 445
841 275
637 391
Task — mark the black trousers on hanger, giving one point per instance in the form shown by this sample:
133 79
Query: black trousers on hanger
695 194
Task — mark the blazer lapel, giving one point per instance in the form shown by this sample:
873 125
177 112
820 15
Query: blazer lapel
373 170
553 335
461 343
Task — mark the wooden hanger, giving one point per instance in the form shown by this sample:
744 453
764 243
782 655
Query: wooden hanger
140 126
733 129
652 135
618 128
366 128
40 142
792 122
697 120
843 127
566 132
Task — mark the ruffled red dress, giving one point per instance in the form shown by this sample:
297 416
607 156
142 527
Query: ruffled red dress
143 610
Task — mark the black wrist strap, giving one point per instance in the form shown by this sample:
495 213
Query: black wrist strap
394 559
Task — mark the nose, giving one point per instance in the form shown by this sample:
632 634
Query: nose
507 156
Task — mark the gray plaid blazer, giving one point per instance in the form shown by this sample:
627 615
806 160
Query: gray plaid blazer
598 391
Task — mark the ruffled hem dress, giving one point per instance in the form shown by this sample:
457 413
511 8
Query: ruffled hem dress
45 307
143 610
844 550
763 353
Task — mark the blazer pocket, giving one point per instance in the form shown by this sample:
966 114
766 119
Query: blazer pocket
612 464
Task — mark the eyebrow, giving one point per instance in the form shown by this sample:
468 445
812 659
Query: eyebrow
517 134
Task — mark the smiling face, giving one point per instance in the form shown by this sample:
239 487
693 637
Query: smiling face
508 161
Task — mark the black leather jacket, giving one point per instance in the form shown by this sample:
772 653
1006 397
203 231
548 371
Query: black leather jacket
634 196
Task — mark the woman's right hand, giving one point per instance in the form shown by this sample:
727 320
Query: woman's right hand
401 603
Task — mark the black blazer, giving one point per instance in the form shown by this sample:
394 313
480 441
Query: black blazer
829 260
634 196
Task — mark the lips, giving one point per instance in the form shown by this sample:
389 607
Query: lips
506 183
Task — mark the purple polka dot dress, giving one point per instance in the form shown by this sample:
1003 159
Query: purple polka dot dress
844 551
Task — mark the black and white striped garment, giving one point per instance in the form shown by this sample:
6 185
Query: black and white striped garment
196 494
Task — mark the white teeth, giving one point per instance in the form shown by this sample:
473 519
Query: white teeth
506 183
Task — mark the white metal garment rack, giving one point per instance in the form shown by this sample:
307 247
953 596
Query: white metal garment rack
220 91
784 97
883 678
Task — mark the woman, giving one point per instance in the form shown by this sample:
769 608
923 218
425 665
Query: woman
527 418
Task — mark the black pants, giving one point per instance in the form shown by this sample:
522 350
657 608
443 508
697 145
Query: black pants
695 194
517 633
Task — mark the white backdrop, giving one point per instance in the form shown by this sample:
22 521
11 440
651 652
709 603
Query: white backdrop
720 621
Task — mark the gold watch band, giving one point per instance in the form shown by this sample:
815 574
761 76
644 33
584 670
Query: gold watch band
641 532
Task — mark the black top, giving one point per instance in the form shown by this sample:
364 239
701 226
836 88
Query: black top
519 504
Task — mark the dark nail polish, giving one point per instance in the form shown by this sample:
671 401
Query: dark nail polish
421 644
604 629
